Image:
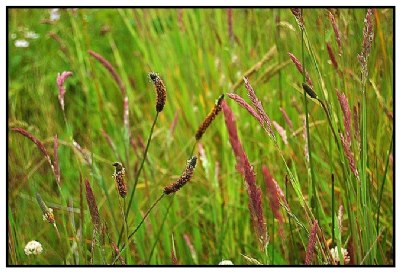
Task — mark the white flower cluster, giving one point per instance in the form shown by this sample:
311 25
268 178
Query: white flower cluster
33 247
336 258
225 262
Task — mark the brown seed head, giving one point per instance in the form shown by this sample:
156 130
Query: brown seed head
160 90
184 178
209 118
309 91
94 211
119 177
47 212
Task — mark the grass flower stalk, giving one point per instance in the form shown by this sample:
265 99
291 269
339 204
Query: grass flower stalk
209 118
244 167
170 189
161 95
312 239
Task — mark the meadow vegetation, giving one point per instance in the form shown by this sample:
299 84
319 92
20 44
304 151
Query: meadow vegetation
193 136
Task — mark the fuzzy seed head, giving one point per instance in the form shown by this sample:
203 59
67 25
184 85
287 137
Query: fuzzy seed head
119 177
160 90
47 212
184 178
209 118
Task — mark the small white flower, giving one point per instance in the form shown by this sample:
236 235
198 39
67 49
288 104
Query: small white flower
225 262
54 15
335 255
234 58
33 247
21 43
31 35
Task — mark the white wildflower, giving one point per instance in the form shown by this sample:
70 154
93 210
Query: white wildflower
31 35
234 59
336 258
33 247
54 15
21 43
225 262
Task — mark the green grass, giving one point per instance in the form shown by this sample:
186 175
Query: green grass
191 51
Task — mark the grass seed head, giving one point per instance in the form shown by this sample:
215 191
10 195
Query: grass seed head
184 178
312 239
160 90
47 212
94 211
119 177
209 118
299 16
309 90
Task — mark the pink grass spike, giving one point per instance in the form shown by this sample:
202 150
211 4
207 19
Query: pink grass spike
60 84
259 107
244 167
312 239
299 67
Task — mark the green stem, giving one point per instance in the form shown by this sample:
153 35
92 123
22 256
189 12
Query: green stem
138 226
333 208
314 205
137 177
159 231
382 186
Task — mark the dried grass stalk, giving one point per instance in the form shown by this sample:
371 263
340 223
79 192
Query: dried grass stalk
268 56
209 118
340 218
